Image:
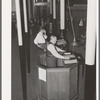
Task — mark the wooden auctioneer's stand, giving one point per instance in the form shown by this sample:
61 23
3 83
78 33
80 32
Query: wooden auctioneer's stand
60 83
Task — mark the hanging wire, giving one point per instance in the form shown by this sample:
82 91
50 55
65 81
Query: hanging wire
73 31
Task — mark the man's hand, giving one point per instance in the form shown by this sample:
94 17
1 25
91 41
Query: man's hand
63 51
45 50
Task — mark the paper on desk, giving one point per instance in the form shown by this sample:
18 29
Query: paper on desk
42 74
66 53
70 61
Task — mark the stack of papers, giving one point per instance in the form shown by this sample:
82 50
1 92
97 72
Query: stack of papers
70 61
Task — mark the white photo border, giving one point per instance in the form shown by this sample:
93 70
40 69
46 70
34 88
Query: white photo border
6 51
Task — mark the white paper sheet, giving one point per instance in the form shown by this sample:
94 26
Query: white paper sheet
42 74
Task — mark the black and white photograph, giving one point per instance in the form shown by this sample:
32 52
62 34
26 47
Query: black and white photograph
53 48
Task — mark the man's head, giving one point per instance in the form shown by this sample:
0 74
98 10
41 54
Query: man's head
43 31
53 39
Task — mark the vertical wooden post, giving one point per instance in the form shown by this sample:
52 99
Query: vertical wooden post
54 17
62 14
54 9
19 27
27 33
25 16
62 17
90 77
51 16
50 6
91 33
21 49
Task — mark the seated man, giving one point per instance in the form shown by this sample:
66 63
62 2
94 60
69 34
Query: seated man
40 39
52 53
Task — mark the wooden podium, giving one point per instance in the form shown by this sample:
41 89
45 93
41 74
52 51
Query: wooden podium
58 83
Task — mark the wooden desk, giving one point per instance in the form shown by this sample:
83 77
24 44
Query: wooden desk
58 83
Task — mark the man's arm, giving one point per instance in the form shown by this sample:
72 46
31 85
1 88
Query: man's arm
35 41
60 50
52 49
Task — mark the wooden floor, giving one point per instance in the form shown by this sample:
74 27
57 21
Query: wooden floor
32 77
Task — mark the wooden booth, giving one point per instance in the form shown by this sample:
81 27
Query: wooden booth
60 83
